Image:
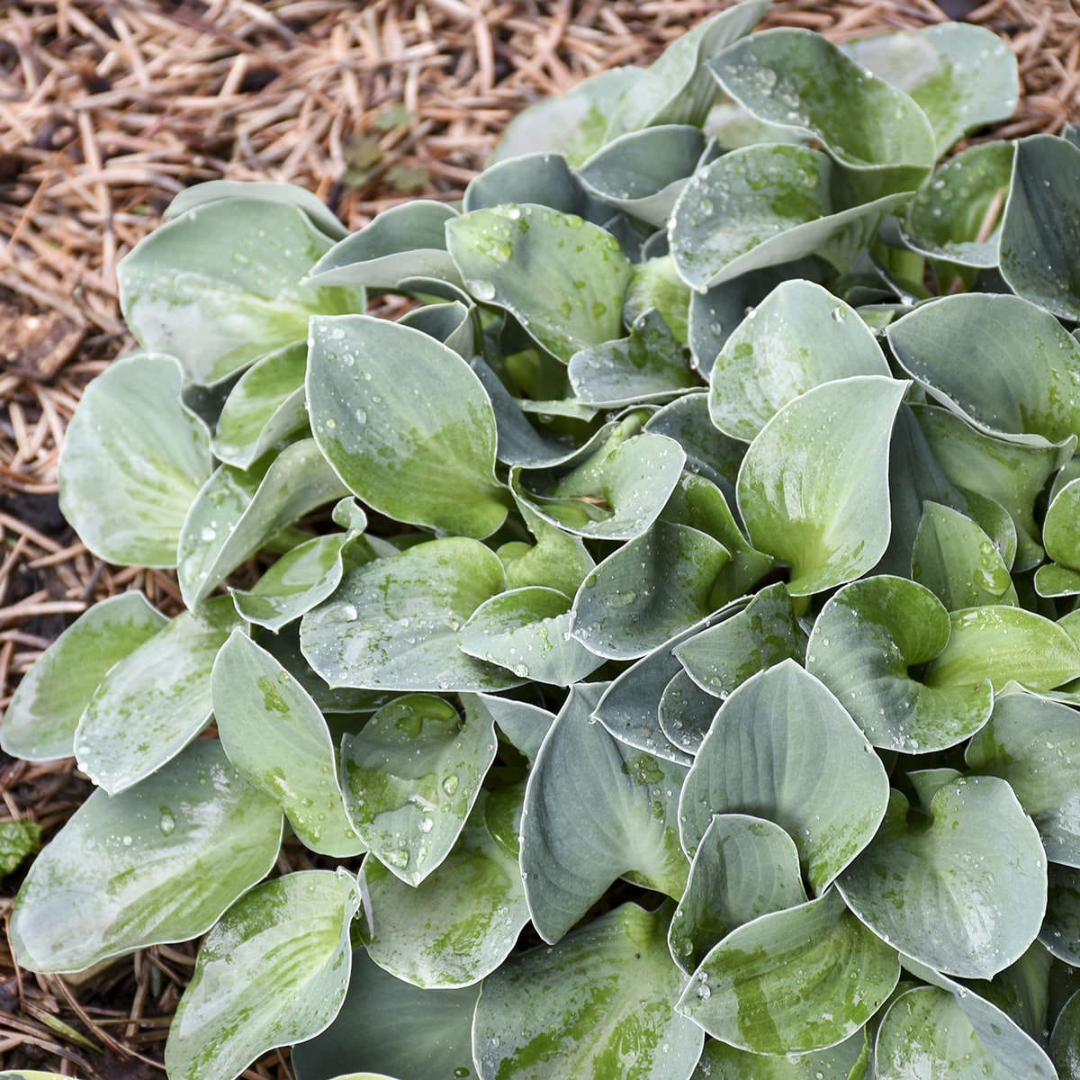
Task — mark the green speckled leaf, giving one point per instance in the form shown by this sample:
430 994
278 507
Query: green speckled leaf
798 337
218 315
18 840
394 623
848 1060
276 737
134 458
744 867
814 492
458 925
595 809
600 1004
273 972
411 777
774 751
656 284
154 701
865 643
556 561
562 277
428 460
796 980
44 711
960 886
158 863
1034 744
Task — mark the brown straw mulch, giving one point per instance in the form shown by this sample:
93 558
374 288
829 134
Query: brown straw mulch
107 110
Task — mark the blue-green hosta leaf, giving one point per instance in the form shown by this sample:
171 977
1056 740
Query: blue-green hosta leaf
556 561
263 408
961 76
158 863
744 867
1018 374
1003 643
599 1004
261 191
18 840
999 468
237 513
458 925
523 724
766 632
394 623
1061 531
411 778
153 702
528 632
218 315
866 640
960 886
927 1032
656 284
428 460
134 458
543 178
1040 235
406 241
615 493
274 971
686 712
763 205
306 575
595 809
774 751
801 80
813 492
848 1060
792 981
1065 1040
44 712
563 278
649 365
798 337
276 737
454 324
1060 931
956 215
709 452
642 172
1034 744
389 1027
957 561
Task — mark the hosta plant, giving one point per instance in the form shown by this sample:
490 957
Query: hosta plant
664 635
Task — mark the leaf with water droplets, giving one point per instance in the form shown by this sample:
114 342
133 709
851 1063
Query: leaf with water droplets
848 1060
272 972
1065 1040
425 459
411 777
1060 932
599 1004
959 886
158 863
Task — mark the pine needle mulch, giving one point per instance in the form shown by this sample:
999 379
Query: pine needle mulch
107 110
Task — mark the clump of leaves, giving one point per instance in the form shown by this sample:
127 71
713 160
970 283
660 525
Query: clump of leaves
700 590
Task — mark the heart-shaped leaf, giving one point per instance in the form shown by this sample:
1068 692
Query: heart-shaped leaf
411 777
799 337
428 461
562 277
274 971
158 863
40 721
960 886
458 925
543 178
746 765
864 644
153 702
595 809
276 737
686 713
394 623
1032 743
751 989
216 316
815 495
709 453
601 1003
744 867
133 461
1041 229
